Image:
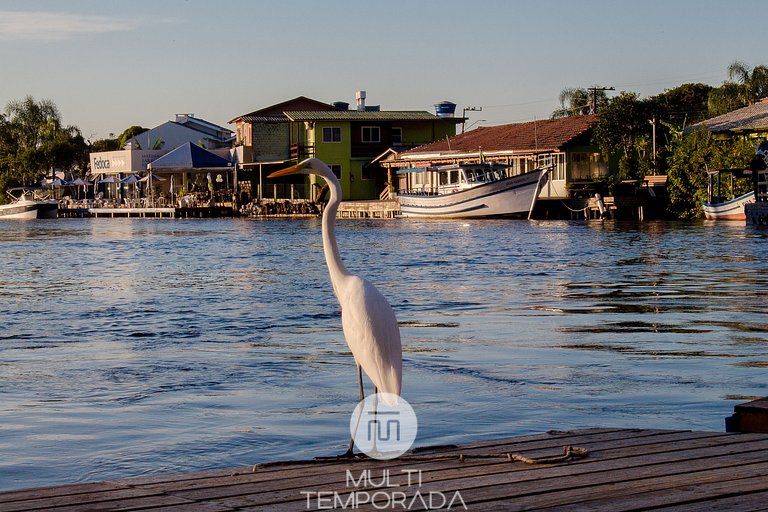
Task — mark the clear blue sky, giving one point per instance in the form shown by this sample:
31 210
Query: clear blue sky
112 64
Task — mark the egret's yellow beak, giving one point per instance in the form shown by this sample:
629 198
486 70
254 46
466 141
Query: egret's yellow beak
296 169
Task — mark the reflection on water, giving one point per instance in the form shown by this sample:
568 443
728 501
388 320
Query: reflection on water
141 346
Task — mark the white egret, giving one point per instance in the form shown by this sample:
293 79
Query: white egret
369 323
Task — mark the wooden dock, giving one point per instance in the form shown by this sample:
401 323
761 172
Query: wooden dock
170 212
624 470
372 209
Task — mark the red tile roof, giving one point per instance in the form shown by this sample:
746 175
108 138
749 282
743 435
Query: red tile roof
545 135
275 112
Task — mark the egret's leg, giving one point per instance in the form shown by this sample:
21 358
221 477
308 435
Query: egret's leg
360 382
350 453
375 414
351 448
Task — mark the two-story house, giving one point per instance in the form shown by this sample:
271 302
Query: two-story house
348 140
565 144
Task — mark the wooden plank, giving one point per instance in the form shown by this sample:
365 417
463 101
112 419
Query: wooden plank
306 470
154 503
754 502
62 490
281 490
714 497
574 488
539 483
534 493
115 501
334 473
451 476
627 469
613 492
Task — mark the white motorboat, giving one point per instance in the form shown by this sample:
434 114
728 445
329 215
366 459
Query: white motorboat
728 210
468 190
28 205
718 207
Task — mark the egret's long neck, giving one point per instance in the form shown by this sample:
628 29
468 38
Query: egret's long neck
336 267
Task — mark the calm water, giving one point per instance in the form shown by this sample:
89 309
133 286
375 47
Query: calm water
131 347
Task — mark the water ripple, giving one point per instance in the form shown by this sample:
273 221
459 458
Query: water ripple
135 347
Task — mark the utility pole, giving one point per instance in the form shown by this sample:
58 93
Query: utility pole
653 124
593 96
464 115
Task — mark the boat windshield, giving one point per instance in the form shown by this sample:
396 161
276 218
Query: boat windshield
449 177
482 175
471 175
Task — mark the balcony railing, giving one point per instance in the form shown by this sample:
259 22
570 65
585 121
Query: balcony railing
302 151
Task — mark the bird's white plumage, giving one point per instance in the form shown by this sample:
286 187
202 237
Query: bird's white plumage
369 323
372 333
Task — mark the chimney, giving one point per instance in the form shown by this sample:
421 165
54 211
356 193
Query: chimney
360 99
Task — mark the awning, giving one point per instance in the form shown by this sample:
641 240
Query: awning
189 158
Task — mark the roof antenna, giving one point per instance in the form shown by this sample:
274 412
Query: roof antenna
448 140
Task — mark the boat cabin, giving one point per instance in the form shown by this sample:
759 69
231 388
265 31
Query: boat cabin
447 179
738 183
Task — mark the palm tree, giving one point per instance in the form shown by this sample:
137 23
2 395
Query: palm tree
753 81
744 86
577 101
33 140
32 121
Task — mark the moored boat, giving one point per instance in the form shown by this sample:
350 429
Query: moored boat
728 210
468 190
719 208
28 205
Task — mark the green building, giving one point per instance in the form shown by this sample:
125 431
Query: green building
348 140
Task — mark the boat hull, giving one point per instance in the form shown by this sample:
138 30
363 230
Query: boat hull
26 210
510 197
728 210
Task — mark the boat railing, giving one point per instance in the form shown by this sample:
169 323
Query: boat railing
420 191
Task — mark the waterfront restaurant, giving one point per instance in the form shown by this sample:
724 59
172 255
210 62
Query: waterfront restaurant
187 172
109 167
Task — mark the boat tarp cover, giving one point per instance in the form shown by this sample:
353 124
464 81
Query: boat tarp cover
189 158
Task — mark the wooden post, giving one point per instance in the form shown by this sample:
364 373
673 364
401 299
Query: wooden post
749 417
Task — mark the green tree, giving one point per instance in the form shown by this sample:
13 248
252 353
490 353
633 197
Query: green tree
33 142
623 130
693 157
130 133
745 85
108 144
753 81
684 105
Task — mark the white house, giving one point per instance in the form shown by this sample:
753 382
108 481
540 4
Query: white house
186 128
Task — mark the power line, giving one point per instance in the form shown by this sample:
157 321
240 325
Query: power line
593 90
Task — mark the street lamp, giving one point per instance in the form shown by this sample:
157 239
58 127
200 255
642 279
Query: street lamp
464 115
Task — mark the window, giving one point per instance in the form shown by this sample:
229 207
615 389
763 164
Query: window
555 159
336 168
587 166
371 134
331 134
397 136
